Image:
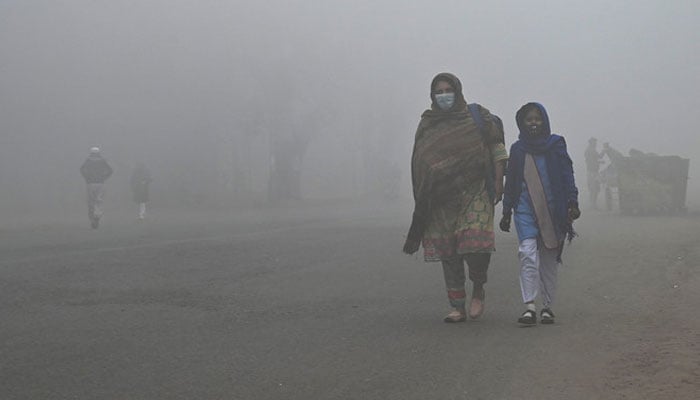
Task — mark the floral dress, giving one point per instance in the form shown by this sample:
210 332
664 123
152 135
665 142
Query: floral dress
464 223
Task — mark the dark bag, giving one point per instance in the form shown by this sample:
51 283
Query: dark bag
490 172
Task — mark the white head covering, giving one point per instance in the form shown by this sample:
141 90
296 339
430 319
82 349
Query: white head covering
95 150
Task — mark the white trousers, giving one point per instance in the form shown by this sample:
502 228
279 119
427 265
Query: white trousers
538 272
142 210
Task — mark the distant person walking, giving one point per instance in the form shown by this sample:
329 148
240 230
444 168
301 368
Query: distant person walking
457 174
593 178
609 175
541 191
140 180
95 171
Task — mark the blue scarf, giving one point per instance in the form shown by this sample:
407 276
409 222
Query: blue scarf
559 169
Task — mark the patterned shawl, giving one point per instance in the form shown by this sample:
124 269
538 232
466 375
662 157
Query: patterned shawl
449 155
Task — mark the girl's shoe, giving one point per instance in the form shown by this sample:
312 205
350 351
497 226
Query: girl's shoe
529 317
456 316
546 316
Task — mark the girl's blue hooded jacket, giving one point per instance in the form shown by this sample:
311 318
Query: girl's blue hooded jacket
559 169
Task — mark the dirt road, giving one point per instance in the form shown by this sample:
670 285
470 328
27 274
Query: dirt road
319 303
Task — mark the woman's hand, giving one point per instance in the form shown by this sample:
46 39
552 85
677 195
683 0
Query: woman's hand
499 192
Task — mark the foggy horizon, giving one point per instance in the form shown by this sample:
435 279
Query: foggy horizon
202 91
257 235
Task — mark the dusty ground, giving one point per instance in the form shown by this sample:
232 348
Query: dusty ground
318 303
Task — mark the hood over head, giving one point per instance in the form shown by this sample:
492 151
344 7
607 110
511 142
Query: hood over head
460 103
520 120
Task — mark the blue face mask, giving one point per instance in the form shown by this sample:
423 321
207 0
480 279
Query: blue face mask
445 100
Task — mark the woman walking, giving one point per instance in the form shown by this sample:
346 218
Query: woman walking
457 173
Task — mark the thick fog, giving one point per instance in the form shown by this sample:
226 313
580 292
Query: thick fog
215 96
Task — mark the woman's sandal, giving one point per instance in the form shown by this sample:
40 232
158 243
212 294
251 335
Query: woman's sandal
529 317
476 306
546 316
455 316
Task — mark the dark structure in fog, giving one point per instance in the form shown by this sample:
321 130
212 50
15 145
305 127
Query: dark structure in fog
646 183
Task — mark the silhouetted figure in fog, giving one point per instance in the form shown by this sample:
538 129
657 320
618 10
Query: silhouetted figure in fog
140 179
540 189
457 174
95 171
593 161
609 176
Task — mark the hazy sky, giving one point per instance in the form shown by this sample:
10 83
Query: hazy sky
143 78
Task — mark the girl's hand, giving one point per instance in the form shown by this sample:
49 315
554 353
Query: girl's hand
505 223
574 213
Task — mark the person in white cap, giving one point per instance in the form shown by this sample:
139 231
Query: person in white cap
95 170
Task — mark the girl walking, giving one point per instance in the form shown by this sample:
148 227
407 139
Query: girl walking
541 193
